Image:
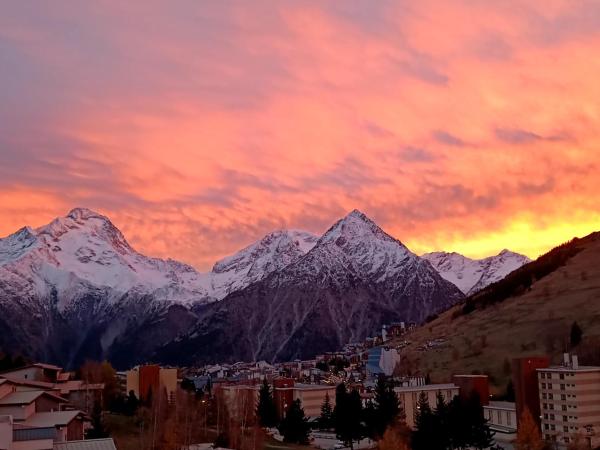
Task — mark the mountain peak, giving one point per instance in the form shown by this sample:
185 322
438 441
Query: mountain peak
355 226
356 214
80 213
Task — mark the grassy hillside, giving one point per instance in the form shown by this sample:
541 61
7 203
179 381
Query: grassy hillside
529 313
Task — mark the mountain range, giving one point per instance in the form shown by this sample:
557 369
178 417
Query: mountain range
76 289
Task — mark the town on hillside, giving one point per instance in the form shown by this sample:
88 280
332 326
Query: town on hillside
360 397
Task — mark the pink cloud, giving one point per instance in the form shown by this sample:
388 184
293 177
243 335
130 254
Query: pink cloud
201 127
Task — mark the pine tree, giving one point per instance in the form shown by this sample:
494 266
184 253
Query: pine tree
340 411
326 418
386 403
576 334
294 426
131 404
441 413
347 415
510 392
422 436
528 435
480 435
265 409
370 420
458 428
97 431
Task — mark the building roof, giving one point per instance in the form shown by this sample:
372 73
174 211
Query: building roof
78 385
51 419
426 387
88 444
470 376
312 387
26 397
29 366
569 369
45 366
31 383
502 405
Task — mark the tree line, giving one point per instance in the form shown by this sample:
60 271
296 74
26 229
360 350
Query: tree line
457 424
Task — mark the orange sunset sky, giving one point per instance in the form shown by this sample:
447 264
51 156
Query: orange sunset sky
199 126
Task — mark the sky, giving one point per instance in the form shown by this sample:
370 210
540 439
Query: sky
200 126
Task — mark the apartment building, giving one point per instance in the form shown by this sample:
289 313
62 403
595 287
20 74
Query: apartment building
570 402
152 379
501 416
409 397
312 396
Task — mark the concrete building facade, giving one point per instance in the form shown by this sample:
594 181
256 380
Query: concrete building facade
501 416
312 397
570 402
409 397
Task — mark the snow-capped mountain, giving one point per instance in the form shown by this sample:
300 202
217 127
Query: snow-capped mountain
472 275
85 246
354 279
76 289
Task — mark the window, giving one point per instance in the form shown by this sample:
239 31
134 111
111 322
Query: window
566 430
563 397
564 407
565 418
550 397
562 387
543 385
562 376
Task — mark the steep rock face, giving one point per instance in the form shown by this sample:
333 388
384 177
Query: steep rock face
472 275
353 280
